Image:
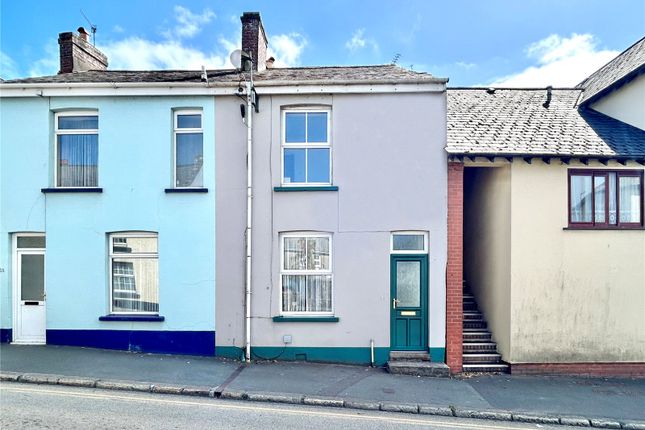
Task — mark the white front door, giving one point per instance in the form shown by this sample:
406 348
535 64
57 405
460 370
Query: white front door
29 289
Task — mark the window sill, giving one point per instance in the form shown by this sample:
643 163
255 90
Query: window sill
131 318
72 190
185 190
305 319
603 228
306 188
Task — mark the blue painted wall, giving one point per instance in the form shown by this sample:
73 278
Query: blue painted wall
135 166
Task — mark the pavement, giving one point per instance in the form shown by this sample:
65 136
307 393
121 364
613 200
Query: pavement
596 402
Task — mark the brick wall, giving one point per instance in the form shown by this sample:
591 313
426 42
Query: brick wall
580 369
78 55
254 40
454 269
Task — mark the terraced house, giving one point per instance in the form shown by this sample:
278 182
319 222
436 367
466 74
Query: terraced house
132 218
360 214
551 184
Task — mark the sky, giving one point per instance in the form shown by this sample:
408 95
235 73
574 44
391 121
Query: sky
514 43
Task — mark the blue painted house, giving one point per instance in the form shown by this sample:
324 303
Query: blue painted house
107 199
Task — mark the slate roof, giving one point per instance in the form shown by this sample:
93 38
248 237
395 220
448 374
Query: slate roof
514 122
626 65
329 75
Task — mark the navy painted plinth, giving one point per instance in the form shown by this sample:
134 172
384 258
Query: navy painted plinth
163 342
5 335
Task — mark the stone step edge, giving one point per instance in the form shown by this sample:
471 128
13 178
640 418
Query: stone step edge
322 401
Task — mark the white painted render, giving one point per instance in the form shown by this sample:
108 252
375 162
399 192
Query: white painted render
626 103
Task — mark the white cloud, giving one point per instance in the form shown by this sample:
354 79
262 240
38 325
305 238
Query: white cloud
138 53
229 45
49 64
189 23
135 53
358 41
287 48
118 29
465 65
560 61
8 67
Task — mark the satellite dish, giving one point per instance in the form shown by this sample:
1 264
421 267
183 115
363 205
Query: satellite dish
236 58
240 60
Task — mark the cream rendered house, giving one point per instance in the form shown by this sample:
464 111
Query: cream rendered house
553 238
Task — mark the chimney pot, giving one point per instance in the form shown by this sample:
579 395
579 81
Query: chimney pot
254 39
83 33
270 62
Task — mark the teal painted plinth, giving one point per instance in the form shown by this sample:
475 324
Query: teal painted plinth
232 352
438 355
348 355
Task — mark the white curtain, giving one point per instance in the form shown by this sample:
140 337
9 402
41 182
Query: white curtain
78 160
581 199
630 197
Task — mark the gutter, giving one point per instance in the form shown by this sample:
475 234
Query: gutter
215 88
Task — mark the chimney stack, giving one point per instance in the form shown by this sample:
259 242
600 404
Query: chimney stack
254 39
78 55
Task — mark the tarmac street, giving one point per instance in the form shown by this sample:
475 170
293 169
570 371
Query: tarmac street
506 398
42 406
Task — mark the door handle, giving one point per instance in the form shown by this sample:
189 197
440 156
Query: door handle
394 302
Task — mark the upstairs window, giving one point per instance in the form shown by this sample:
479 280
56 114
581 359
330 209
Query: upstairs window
606 198
77 149
189 149
134 273
306 151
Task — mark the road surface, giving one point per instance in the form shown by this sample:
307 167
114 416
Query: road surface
25 406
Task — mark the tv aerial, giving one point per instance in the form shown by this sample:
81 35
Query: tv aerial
92 27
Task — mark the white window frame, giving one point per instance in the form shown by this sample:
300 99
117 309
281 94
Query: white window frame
175 131
59 132
329 272
112 255
305 145
409 233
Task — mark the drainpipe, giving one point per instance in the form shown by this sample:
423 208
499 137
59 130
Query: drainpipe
249 210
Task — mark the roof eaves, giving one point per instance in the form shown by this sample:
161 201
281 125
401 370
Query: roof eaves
613 86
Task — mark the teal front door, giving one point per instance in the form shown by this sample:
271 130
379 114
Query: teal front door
408 304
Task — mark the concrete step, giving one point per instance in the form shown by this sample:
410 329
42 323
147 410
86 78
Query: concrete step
479 347
470 307
481 368
478 324
477 336
474 330
409 355
473 315
488 358
417 368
